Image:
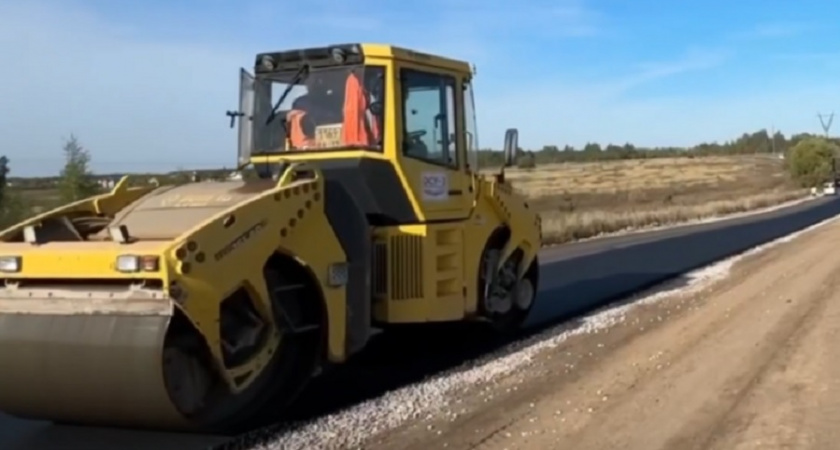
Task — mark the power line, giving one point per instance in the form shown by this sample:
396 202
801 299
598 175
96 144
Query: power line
826 123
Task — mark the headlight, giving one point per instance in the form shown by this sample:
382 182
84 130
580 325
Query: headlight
137 263
128 263
9 264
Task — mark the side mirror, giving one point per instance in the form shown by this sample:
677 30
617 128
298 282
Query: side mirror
233 116
511 144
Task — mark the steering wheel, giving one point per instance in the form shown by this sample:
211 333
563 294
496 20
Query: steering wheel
414 144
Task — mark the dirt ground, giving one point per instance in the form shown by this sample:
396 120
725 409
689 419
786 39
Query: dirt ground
750 362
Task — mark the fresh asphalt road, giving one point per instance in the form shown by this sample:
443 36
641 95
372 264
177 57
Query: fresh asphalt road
574 278
581 276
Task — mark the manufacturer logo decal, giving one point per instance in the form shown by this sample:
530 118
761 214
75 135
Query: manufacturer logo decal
435 186
239 240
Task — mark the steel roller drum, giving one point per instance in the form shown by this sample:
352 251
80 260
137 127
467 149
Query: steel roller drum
85 357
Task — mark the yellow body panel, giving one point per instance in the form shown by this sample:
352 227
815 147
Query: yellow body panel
392 52
285 219
79 260
433 268
106 204
490 214
424 274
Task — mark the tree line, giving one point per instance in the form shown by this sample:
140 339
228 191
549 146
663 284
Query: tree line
749 143
75 182
814 161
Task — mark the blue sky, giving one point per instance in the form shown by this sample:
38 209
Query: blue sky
144 85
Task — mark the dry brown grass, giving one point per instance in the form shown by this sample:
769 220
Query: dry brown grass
581 200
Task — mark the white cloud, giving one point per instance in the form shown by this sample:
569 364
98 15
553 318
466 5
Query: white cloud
593 110
693 60
827 63
775 30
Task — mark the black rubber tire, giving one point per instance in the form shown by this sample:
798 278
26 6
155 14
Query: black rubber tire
511 322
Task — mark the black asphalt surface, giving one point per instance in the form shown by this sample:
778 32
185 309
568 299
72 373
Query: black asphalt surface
581 276
575 278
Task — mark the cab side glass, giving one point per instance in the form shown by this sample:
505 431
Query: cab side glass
374 85
429 117
245 113
471 125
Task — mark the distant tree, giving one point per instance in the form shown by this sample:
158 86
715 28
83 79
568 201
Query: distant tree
76 182
592 148
179 176
811 161
526 160
758 142
4 172
12 208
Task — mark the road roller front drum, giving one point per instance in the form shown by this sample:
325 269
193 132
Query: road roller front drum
120 364
194 381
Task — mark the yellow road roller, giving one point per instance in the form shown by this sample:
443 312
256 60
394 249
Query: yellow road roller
200 306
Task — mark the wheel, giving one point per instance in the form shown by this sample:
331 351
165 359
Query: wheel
506 302
216 409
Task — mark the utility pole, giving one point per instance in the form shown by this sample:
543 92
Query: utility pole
826 120
773 139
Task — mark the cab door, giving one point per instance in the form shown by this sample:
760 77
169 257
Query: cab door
431 145
245 114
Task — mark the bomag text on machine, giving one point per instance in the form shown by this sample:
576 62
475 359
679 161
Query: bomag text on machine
196 307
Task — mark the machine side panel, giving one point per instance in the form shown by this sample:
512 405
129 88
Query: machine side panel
419 273
351 227
375 186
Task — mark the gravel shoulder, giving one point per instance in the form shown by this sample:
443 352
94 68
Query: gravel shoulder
745 363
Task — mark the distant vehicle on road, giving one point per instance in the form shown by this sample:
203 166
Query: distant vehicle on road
829 188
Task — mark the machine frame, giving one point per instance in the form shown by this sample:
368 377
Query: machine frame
390 190
218 301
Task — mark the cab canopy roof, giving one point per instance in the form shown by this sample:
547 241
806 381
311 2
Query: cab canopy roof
340 54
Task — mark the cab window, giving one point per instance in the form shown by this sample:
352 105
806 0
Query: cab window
325 108
429 117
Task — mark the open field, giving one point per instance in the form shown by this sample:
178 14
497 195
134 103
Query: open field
38 198
581 200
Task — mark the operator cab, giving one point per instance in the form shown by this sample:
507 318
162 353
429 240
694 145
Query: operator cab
395 126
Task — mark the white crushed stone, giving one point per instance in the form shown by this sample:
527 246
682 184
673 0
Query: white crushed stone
352 427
